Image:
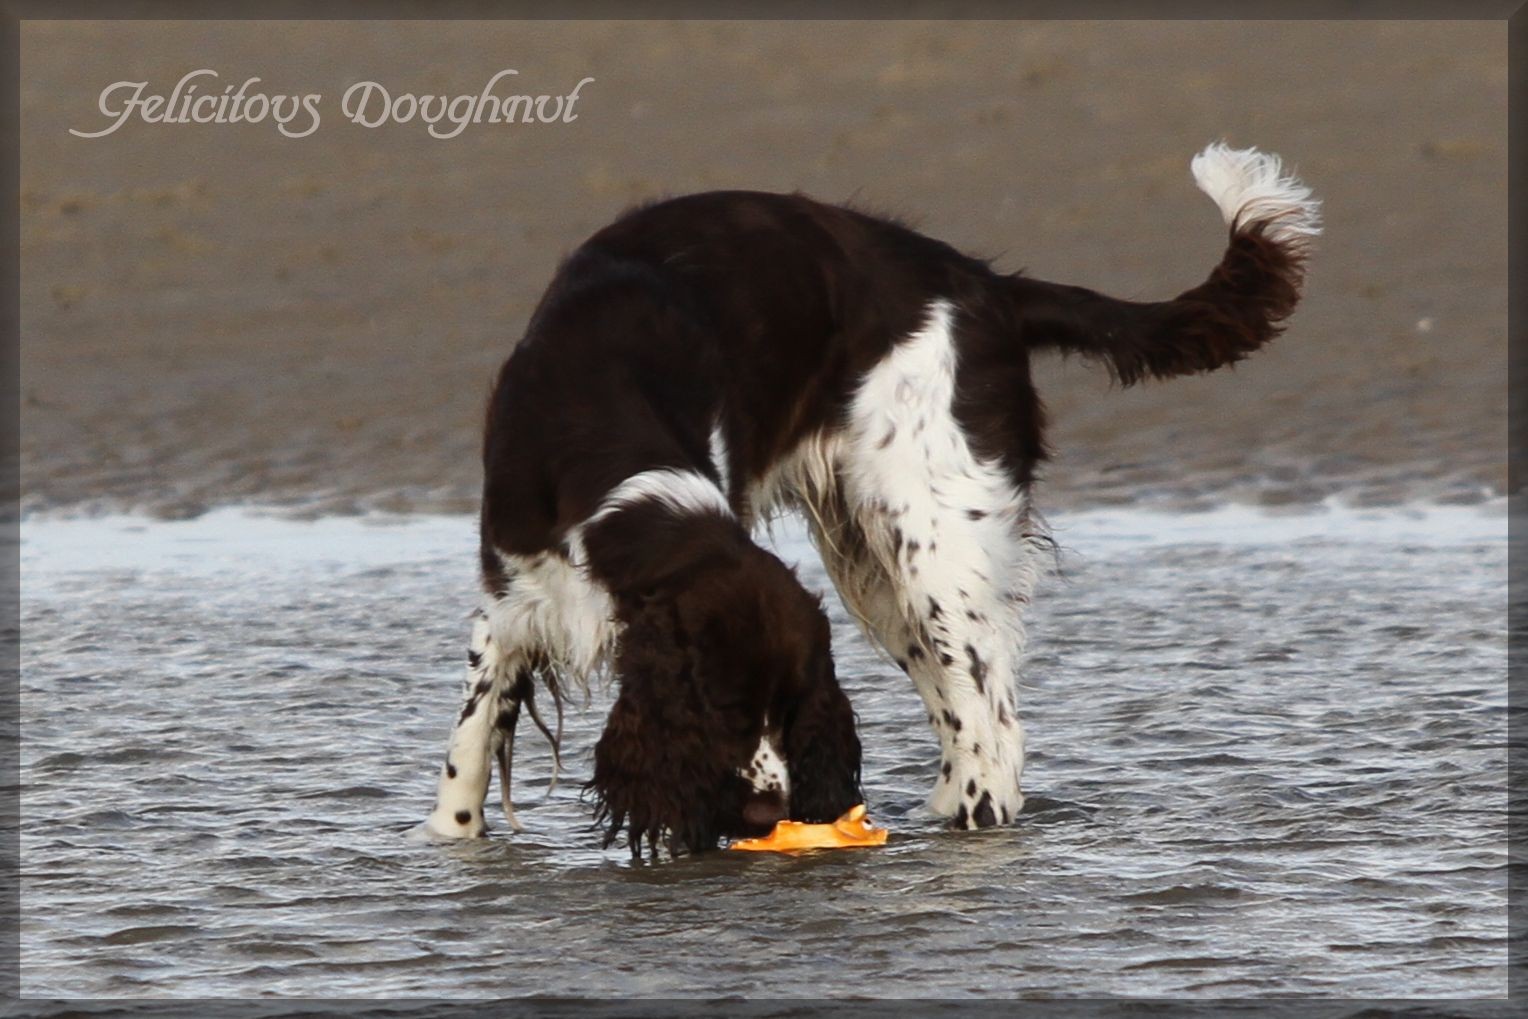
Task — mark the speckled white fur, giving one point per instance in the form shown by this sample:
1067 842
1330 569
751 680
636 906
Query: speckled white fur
933 551
766 771
463 779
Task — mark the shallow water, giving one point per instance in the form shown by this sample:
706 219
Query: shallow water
1267 758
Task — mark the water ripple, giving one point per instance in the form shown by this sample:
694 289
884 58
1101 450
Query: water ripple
1259 767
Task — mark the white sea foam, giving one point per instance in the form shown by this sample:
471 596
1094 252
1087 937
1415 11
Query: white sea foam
238 539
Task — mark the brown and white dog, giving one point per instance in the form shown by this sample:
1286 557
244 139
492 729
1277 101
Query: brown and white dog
707 361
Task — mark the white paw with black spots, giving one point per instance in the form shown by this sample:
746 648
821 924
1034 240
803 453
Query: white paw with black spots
463 823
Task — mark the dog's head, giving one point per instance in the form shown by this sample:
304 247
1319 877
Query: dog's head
729 716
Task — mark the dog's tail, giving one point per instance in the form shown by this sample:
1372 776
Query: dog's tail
1241 306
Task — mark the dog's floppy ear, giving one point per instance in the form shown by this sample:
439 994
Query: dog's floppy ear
822 748
632 772
657 775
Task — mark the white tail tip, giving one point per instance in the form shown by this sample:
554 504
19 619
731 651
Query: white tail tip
1251 187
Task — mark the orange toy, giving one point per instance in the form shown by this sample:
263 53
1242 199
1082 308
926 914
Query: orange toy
847 832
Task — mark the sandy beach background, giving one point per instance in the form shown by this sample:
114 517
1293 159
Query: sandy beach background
217 314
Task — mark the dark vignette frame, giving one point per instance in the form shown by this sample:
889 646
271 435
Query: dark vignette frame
12 12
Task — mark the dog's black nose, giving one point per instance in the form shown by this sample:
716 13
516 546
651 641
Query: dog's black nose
763 811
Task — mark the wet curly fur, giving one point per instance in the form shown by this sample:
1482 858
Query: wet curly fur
720 645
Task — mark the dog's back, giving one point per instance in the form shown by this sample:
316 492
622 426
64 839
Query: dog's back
754 317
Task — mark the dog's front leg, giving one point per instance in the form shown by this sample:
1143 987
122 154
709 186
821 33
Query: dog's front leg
464 774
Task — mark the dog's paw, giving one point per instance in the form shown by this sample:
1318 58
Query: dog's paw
445 826
983 810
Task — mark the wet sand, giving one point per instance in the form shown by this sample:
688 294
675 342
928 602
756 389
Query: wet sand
217 314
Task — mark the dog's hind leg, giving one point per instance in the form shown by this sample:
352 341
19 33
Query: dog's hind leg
949 536
953 628
963 657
